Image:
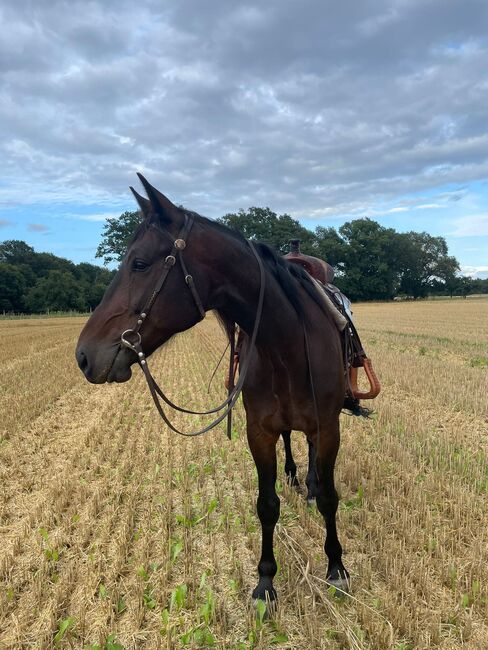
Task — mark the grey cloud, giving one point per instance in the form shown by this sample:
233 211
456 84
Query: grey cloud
37 227
5 222
310 106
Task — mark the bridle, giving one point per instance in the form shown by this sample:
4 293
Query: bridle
228 404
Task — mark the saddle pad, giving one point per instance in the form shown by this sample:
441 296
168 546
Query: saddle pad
338 318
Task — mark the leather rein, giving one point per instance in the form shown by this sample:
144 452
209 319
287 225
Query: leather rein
135 344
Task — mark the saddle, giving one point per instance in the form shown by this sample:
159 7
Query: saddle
317 268
354 355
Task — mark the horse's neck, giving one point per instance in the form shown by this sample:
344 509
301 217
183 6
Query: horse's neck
237 297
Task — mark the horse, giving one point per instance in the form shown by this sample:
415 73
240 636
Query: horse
291 372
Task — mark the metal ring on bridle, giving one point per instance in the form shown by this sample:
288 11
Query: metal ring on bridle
127 343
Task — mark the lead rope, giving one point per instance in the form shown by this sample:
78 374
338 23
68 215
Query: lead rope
136 346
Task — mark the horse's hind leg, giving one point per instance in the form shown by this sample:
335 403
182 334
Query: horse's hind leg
327 501
290 465
263 449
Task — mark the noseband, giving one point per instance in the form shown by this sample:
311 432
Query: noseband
135 344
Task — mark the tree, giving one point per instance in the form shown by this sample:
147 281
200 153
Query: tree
370 255
15 251
116 234
330 246
94 281
12 288
31 281
264 225
57 291
425 260
42 263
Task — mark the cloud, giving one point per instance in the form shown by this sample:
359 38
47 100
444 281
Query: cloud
5 222
475 225
97 217
306 107
397 209
475 271
37 227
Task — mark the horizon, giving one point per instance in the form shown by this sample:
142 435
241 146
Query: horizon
327 113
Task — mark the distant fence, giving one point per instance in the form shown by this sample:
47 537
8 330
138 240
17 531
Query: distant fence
8 315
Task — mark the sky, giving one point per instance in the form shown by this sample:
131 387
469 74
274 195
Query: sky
327 111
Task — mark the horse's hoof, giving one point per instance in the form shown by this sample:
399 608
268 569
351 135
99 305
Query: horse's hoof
270 607
341 586
311 502
264 599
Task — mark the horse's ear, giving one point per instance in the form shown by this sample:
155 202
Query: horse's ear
144 204
159 204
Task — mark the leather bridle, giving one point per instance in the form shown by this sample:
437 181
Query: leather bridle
228 404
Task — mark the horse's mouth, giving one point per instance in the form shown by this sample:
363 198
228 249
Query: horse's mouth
116 369
120 369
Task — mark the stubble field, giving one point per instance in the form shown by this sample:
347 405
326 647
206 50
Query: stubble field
115 533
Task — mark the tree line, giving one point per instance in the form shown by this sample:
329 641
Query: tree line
371 262
33 282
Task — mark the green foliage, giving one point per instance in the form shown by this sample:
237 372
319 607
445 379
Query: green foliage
371 262
14 251
425 262
57 291
13 284
110 644
264 225
370 269
63 628
41 282
479 362
178 597
116 235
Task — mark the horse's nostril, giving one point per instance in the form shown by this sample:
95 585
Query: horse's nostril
82 360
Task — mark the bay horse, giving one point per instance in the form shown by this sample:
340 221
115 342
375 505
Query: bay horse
294 377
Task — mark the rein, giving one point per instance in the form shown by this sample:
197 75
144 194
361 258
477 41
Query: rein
135 344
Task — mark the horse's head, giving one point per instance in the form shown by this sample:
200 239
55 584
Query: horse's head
99 353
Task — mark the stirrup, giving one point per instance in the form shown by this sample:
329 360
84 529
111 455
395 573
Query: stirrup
374 382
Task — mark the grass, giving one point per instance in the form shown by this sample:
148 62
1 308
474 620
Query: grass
115 534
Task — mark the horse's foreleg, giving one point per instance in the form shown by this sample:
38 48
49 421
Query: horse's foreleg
290 465
263 449
327 502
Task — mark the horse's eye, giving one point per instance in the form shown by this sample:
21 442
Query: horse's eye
139 265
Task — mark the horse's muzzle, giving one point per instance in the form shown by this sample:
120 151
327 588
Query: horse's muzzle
112 365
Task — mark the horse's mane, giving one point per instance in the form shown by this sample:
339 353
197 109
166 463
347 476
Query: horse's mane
290 277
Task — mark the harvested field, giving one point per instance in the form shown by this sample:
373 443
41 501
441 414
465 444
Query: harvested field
115 533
